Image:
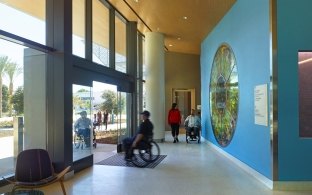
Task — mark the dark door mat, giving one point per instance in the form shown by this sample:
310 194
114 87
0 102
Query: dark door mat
118 160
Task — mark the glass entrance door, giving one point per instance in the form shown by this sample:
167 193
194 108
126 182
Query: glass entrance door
105 112
122 117
82 123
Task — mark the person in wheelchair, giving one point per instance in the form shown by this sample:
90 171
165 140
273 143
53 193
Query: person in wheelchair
192 125
145 132
83 127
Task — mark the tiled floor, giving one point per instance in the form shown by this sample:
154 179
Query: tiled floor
188 169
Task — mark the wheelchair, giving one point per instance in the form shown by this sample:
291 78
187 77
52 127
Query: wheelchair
94 138
145 153
192 135
78 140
82 139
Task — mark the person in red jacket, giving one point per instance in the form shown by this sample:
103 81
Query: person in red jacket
174 120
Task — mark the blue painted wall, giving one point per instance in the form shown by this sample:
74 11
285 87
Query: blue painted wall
294 32
246 29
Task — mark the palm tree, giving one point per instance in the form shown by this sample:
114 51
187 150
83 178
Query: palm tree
4 60
13 70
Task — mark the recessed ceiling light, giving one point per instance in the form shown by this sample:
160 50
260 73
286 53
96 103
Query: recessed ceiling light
185 17
137 1
179 38
170 45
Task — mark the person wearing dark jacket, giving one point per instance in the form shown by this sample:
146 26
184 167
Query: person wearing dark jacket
174 120
145 132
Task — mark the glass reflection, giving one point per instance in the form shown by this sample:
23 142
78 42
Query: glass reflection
100 33
224 95
79 46
305 90
82 124
120 40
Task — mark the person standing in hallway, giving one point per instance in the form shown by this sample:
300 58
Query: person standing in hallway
174 120
105 117
99 120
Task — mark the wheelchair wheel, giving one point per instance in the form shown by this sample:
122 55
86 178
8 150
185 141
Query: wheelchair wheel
186 137
151 152
78 141
137 160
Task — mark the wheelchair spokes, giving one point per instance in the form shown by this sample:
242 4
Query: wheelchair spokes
151 152
78 141
137 160
146 154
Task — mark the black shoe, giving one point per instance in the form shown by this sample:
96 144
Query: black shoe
128 158
177 139
174 141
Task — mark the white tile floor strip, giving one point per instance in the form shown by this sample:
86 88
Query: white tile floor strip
190 169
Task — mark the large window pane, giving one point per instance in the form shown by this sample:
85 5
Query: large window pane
122 115
100 33
139 75
105 112
120 45
22 89
82 121
24 18
79 28
144 75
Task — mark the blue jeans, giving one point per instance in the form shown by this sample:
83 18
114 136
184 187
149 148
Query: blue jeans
86 135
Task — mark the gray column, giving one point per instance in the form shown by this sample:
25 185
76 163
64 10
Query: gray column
132 70
59 82
155 82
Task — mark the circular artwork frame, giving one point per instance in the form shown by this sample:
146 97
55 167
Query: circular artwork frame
224 95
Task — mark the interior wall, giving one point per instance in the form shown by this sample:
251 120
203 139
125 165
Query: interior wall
182 71
245 28
293 34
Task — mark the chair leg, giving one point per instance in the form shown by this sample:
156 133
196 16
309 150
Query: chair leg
63 188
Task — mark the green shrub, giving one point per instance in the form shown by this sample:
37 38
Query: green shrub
6 124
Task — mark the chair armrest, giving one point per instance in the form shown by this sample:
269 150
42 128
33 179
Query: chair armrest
61 174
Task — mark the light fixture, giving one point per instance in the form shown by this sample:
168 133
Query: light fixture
170 45
179 38
305 61
185 17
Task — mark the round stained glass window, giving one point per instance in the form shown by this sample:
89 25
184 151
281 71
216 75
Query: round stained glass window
224 95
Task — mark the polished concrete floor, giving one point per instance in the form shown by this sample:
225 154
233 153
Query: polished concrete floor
188 169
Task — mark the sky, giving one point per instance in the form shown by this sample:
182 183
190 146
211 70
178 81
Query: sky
31 28
22 25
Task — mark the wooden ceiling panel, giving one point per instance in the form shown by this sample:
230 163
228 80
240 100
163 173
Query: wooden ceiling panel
167 17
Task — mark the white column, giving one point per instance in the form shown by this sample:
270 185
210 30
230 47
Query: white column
155 82
35 131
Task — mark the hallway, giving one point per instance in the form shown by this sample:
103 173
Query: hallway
187 169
